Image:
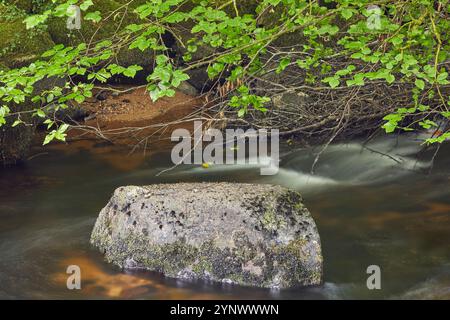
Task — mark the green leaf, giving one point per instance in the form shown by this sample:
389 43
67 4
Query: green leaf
176 17
390 78
134 27
40 113
420 84
346 13
443 137
17 122
161 59
328 29
215 69
50 97
169 92
423 108
49 123
333 82
428 124
284 63
35 20
442 78
131 71
178 77
358 80
389 127
241 113
79 98
93 16
48 138
397 40
86 4
142 43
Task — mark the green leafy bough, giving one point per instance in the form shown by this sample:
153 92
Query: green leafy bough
340 46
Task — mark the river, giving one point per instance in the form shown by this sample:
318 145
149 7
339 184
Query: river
376 204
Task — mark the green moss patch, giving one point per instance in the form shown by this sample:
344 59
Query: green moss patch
19 46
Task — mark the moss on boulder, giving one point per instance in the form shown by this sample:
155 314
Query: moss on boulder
25 5
3 67
118 15
19 46
213 231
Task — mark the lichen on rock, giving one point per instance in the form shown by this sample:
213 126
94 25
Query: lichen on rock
213 231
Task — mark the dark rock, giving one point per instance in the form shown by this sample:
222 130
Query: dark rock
15 142
102 95
188 89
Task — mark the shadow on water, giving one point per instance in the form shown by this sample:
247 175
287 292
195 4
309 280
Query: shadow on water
373 204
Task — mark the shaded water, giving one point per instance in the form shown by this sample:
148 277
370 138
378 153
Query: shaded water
370 208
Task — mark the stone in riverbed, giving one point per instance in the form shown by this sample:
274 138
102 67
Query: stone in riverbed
247 234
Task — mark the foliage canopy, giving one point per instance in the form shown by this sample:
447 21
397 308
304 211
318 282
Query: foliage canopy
390 41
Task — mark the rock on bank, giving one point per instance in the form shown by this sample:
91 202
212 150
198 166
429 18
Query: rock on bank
247 234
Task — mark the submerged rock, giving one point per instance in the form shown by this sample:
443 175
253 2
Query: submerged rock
247 234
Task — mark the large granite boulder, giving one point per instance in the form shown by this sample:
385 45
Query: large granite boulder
247 234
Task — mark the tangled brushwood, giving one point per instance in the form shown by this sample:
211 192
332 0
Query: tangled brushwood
314 112
312 68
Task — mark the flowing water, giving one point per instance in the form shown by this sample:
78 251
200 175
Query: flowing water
376 204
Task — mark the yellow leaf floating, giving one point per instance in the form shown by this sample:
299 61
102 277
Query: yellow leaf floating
205 165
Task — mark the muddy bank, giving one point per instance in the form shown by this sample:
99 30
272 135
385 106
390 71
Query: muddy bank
121 127
127 116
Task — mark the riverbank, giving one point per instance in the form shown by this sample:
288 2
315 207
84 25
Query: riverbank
126 115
